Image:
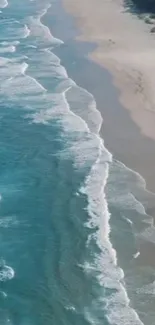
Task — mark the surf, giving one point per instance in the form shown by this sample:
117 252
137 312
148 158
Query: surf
40 107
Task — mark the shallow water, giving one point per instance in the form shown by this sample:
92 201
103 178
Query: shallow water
57 259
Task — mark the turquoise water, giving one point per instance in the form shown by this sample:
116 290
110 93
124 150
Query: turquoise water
58 257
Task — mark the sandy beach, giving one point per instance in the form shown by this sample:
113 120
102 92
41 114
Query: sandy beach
125 47
77 120
101 56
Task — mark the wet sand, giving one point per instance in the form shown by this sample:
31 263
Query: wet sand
123 134
126 48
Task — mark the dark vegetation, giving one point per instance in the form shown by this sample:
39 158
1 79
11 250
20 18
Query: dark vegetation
145 6
141 6
145 9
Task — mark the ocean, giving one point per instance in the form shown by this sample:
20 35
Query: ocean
72 218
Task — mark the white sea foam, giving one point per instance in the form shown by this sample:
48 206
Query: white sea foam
87 147
6 272
84 147
8 49
21 86
117 308
84 105
9 68
8 221
70 122
148 289
85 144
24 67
72 308
81 127
136 255
148 234
41 34
15 82
12 31
13 43
110 275
45 66
128 220
3 3
32 46
26 31
4 294
51 56
123 192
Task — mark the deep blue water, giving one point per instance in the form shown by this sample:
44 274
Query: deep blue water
57 262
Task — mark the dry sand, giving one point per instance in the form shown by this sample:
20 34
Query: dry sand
126 48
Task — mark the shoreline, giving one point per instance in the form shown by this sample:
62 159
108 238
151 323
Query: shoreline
125 48
117 129
122 136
